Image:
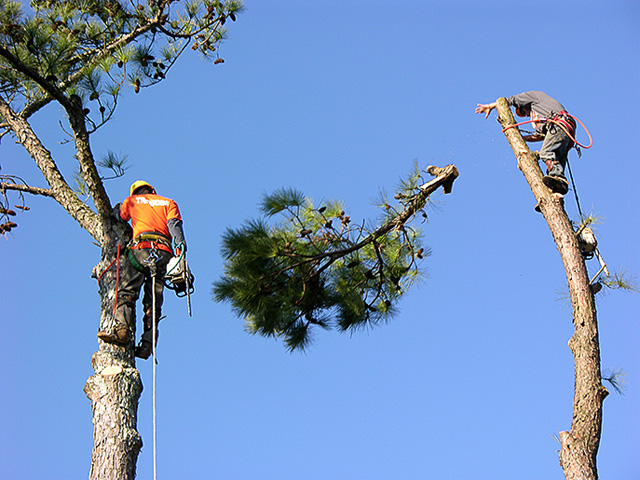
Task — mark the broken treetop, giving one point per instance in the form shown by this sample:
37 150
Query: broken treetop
540 103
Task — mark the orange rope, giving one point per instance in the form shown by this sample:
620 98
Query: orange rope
115 302
105 271
516 125
117 262
563 129
570 136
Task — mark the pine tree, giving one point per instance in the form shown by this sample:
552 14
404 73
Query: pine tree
316 267
82 54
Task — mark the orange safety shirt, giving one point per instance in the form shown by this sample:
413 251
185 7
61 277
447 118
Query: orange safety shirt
149 213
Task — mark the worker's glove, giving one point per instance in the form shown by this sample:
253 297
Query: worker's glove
179 248
116 212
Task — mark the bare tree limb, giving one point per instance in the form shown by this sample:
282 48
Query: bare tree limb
84 155
45 192
579 445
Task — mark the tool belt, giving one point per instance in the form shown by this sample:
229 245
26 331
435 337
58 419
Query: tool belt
150 238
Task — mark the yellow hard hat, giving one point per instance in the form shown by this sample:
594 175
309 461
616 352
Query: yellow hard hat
140 183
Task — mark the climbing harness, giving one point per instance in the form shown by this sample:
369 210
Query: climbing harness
560 120
564 120
150 238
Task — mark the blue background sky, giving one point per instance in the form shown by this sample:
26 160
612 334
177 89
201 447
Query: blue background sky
473 379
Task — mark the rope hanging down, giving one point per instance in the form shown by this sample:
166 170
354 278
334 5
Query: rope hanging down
152 261
187 289
575 190
153 350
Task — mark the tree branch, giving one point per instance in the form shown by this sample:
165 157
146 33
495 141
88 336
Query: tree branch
61 191
97 55
73 107
84 156
444 178
45 192
47 86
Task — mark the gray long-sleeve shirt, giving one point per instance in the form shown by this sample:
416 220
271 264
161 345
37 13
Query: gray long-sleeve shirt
540 103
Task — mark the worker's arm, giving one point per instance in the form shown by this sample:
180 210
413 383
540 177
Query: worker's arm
533 138
177 233
485 108
117 213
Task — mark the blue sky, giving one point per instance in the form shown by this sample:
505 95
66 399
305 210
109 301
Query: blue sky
473 378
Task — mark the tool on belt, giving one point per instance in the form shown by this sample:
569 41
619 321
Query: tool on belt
179 278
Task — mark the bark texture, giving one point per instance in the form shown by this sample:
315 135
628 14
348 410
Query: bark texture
580 444
114 390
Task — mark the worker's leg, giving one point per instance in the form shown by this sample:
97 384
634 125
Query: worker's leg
553 153
144 348
129 284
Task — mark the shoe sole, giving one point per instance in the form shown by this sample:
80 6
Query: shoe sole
556 184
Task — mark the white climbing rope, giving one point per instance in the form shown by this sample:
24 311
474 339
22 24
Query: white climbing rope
152 262
153 350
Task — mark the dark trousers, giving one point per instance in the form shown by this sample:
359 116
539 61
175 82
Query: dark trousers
130 282
554 151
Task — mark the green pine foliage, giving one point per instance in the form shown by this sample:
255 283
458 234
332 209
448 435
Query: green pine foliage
95 48
621 281
303 266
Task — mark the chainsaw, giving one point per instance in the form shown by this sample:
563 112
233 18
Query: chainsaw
180 279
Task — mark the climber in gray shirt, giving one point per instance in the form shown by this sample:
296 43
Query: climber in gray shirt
552 124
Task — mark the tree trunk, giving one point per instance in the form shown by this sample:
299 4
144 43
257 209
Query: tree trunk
115 388
579 446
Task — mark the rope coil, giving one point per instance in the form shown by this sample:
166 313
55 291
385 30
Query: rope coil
564 129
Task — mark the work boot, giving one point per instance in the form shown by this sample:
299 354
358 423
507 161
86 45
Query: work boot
556 183
143 350
119 335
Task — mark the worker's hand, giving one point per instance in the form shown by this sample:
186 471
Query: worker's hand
533 138
179 248
116 212
485 108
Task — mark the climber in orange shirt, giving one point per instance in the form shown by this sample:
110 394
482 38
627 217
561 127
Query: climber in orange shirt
157 235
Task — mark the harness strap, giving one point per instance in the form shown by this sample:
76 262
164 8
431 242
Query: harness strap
135 263
565 120
153 237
